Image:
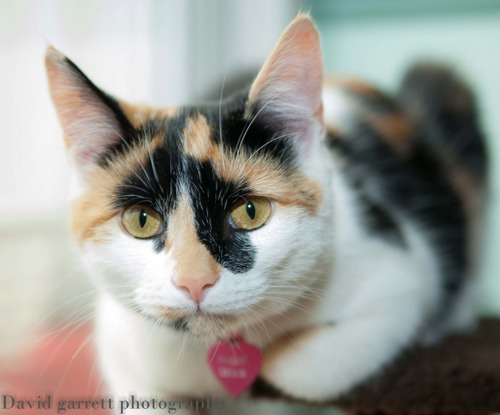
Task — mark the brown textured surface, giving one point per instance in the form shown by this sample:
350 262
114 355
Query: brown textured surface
459 376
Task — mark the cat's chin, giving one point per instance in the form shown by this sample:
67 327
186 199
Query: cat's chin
205 325
212 327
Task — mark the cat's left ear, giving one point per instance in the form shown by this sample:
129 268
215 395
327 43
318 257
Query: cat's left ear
288 88
92 121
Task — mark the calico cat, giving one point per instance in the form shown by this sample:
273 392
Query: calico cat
320 220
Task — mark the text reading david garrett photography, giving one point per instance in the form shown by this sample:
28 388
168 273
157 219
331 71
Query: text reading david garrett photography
70 406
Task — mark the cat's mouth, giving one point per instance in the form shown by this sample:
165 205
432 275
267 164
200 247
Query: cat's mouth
198 323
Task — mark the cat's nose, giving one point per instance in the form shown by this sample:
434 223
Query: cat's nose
196 286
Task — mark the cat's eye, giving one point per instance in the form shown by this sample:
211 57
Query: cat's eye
250 213
141 222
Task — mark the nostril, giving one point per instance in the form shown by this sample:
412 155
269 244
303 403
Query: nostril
184 288
206 286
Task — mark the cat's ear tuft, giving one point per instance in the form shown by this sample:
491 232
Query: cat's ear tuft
92 121
289 85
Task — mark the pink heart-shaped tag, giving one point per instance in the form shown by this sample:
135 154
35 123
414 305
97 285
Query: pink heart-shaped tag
235 364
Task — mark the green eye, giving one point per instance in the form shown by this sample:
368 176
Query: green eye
141 222
250 214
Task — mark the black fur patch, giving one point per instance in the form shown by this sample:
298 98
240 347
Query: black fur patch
375 217
159 244
418 189
379 221
258 134
168 172
444 108
212 200
180 324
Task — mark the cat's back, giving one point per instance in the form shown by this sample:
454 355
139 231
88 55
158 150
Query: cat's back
416 165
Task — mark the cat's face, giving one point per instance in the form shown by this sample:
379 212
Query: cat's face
208 218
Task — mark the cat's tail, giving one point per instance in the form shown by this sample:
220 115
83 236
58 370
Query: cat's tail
444 111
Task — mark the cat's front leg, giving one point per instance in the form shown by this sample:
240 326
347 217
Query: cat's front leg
323 362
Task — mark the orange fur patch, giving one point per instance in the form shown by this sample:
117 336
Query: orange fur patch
290 344
268 179
89 213
333 133
192 257
466 185
396 131
171 313
197 139
352 85
393 127
138 114
94 207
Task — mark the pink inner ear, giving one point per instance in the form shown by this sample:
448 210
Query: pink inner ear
89 122
292 76
91 139
85 155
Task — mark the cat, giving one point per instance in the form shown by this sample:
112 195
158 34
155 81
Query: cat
322 221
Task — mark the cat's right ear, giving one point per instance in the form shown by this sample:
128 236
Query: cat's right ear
92 121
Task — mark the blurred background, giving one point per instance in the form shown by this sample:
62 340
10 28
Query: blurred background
173 52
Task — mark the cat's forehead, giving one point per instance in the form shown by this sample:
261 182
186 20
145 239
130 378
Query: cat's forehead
198 131
213 153
230 125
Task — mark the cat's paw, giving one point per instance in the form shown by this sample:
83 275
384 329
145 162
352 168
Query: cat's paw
296 366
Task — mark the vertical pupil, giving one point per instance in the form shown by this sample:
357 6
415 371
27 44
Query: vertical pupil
143 217
251 210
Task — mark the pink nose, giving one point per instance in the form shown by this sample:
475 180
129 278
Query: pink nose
196 286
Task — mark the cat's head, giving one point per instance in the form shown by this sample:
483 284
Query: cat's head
207 217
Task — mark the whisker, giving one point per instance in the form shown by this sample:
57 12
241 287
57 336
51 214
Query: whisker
242 136
266 144
85 342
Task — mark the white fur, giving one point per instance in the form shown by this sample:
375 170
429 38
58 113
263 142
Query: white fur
337 107
376 296
345 301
